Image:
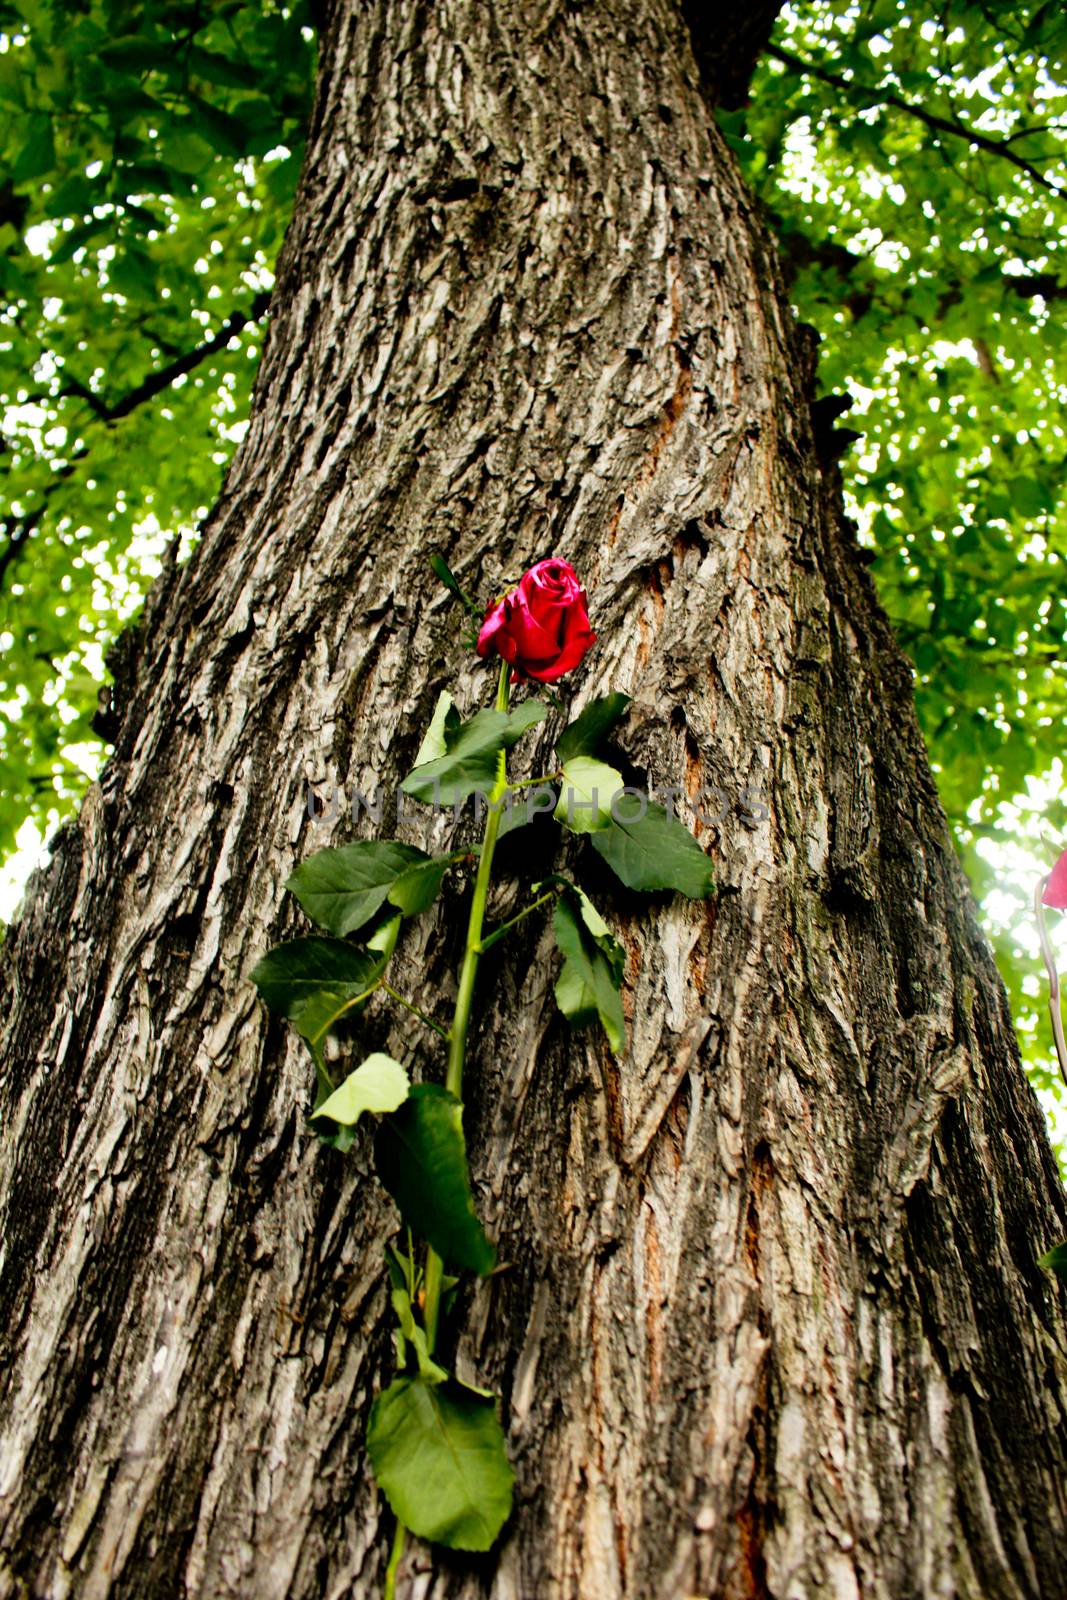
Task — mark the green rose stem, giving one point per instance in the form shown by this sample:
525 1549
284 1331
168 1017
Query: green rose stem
457 1046
395 1555
528 783
457 1040
430 1023
506 927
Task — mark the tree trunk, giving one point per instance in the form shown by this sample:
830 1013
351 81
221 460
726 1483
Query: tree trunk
773 1324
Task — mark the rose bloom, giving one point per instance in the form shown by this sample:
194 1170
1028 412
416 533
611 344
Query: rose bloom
542 627
1055 894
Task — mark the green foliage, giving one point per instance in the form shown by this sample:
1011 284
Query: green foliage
517 813
647 849
587 733
590 979
314 982
421 1157
589 787
343 888
379 1084
438 1454
1055 1260
911 163
416 889
920 256
400 1298
444 726
472 753
437 1447
150 150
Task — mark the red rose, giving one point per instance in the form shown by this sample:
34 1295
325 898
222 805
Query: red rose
1055 894
542 627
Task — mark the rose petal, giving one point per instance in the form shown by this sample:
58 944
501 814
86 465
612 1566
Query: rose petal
1055 894
535 636
541 628
577 620
552 581
569 657
495 619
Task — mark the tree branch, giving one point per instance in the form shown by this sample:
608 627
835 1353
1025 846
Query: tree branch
727 42
163 377
1029 284
1037 127
958 130
19 531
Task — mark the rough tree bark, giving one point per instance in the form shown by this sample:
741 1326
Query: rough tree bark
773 1325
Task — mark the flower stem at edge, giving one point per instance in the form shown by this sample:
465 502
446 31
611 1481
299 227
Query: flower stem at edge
395 1555
457 1043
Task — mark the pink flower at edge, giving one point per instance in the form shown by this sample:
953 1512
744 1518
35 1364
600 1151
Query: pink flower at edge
1055 892
541 628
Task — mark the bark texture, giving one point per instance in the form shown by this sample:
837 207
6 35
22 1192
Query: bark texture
773 1326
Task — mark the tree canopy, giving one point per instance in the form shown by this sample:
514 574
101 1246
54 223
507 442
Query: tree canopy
909 157
150 154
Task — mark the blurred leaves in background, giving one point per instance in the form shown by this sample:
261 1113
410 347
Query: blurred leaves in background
910 159
148 158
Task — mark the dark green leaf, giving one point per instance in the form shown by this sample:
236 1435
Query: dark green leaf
184 148
527 714
72 240
1056 1260
1029 497
472 755
151 177
417 888
515 814
649 850
587 988
225 133
135 53
421 1156
451 583
214 68
585 735
313 981
438 1454
132 272
341 888
469 764
540 801
73 197
37 155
